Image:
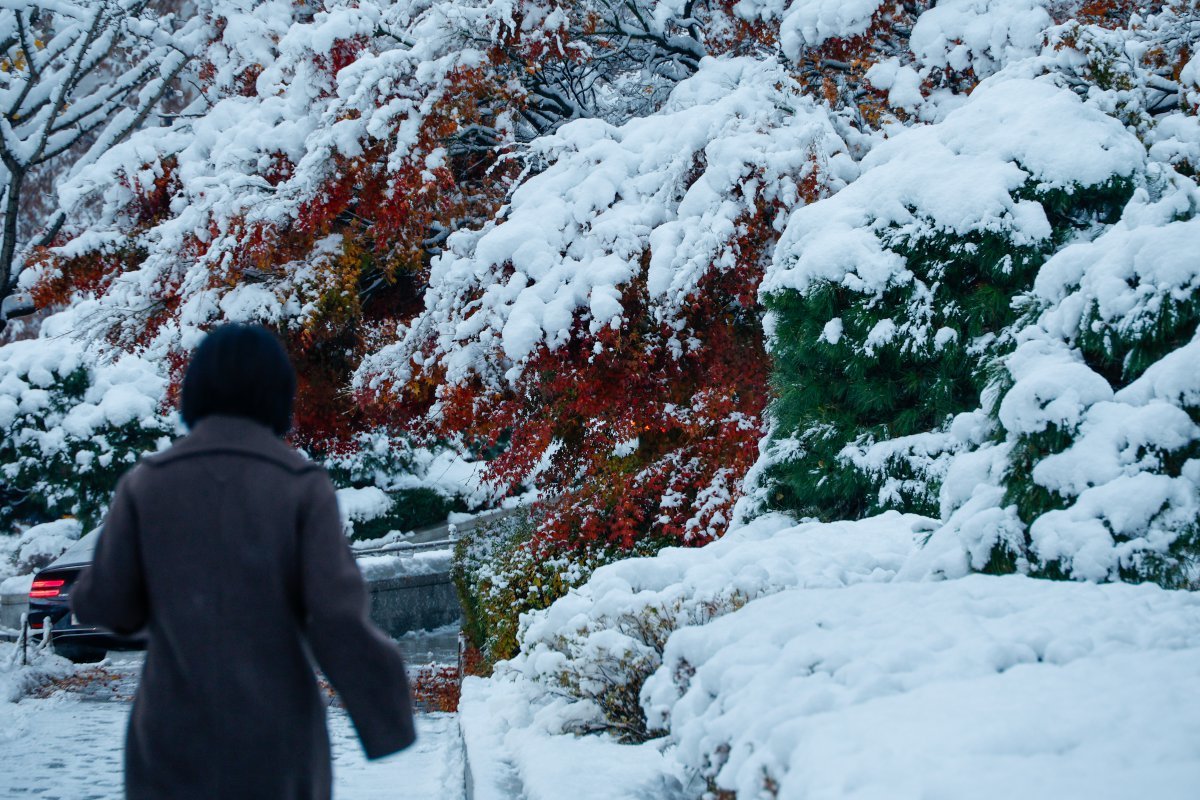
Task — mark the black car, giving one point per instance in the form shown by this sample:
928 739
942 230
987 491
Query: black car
49 604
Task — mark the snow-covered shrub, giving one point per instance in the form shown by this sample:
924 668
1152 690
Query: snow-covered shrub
589 653
938 689
889 300
71 423
1089 466
386 483
38 545
503 570
1098 412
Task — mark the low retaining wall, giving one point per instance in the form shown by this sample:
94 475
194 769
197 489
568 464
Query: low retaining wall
12 606
413 603
398 605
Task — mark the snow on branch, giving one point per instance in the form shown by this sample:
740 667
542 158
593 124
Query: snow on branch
76 77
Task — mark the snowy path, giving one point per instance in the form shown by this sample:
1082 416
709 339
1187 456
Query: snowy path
70 749
68 746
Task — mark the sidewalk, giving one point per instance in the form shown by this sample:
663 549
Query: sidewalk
68 746
64 748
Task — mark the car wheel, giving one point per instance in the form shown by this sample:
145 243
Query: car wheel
82 655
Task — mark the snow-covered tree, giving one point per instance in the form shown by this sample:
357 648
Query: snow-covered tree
608 324
997 300
76 78
541 227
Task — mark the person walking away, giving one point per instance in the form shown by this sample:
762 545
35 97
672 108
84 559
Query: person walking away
227 549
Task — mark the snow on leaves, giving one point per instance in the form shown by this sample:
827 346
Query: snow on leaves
1081 471
615 299
543 226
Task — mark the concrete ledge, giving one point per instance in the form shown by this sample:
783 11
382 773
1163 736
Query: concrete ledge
12 607
413 603
398 605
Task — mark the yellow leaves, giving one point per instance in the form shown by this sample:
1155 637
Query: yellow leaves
335 287
17 63
21 60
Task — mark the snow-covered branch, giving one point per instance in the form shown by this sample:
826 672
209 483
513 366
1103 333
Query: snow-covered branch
75 77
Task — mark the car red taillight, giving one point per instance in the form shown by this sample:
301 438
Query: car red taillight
46 588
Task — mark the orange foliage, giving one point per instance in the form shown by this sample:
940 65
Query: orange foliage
1112 13
437 688
696 414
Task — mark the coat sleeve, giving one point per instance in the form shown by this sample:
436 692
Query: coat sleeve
111 592
363 665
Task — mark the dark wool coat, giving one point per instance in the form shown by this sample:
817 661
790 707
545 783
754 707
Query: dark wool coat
228 549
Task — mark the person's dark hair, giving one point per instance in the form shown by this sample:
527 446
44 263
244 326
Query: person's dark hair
242 371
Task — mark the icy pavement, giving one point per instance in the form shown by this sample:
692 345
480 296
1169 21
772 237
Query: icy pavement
65 748
68 746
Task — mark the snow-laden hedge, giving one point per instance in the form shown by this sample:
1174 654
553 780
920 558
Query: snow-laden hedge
996 324
593 648
387 486
71 422
799 660
984 687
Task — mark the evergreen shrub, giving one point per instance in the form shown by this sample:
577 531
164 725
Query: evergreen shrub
1155 318
391 464
66 437
857 369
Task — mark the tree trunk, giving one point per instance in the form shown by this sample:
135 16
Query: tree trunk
8 242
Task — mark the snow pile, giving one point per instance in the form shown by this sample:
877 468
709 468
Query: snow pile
672 188
16 586
38 545
510 757
605 637
41 666
981 687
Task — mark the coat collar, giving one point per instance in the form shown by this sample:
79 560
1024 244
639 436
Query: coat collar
225 427
220 433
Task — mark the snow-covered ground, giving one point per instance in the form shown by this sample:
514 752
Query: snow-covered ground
822 660
68 745
65 748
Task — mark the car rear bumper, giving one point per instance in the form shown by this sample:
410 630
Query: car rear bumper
97 638
65 634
